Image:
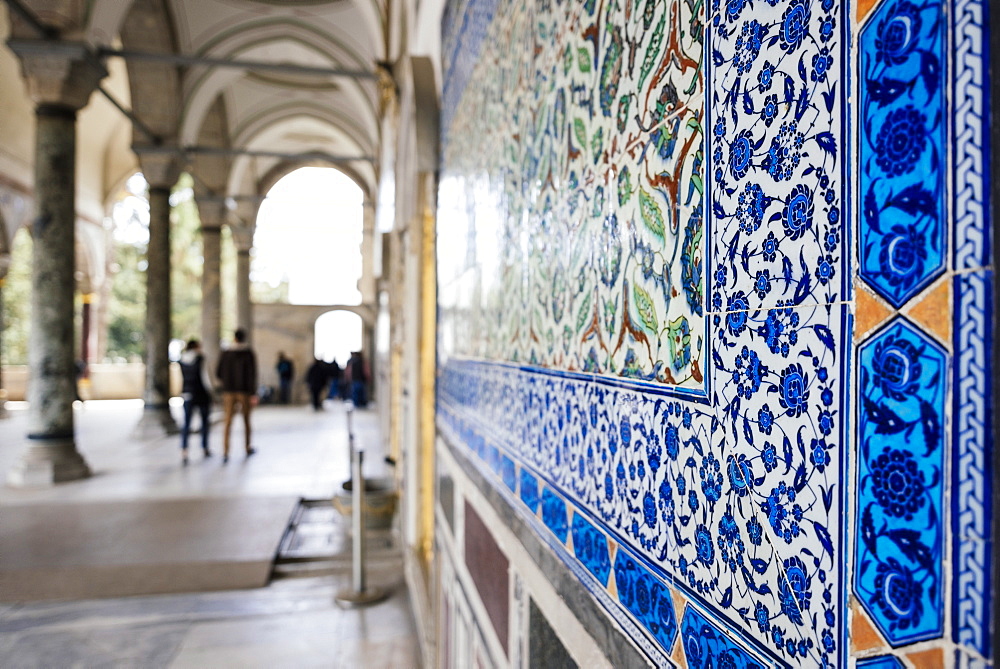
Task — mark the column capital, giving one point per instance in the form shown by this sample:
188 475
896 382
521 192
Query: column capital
161 170
212 212
242 236
58 74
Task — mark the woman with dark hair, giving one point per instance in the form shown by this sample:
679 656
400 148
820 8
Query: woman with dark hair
196 394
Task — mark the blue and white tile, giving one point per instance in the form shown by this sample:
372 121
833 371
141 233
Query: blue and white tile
777 150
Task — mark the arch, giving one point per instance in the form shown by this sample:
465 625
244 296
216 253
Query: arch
284 168
309 237
256 124
203 84
334 335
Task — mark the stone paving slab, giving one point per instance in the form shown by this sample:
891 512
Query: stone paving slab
111 549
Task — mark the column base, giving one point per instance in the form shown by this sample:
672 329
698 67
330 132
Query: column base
46 462
156 421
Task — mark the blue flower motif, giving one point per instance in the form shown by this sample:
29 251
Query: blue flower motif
762 616
750 210
825 270
793 589
769 247
704 546
769 456
818 455
740 152
765 419
897 483
736 318
748 372
832 239
901 140
755 531
762 283
693 502
766 76
770 110
826 26
825 423
797 216
672 442
740 474
897 34
821 64
748 45
733 9
896 367
711 478
793 390
901 256
784 154
772 330
720 127
794 25
649 509
898 595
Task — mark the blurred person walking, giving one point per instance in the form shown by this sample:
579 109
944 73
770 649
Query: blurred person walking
237 372
196 394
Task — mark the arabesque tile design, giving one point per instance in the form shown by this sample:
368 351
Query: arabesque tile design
573 172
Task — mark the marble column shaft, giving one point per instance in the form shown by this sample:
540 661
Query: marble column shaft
157 394
211 292
244 313
3 390
52 455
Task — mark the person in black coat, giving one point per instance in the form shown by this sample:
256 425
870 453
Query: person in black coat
317 378
196 394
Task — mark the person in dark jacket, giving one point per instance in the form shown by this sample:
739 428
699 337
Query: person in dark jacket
286 372
317 377
237 373
357 375
336 375
196 395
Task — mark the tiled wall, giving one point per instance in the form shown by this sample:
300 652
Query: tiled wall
720 335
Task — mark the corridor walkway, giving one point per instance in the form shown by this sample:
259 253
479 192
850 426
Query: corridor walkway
102 549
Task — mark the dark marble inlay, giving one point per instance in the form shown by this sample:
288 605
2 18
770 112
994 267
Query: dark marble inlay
545 650
488 567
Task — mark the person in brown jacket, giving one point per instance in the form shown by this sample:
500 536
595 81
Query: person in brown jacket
237 373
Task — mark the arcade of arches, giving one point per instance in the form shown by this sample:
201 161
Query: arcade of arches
679 314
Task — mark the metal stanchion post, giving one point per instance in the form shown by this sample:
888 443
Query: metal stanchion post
359 594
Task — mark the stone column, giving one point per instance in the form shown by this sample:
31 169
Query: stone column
243 239
161 173
211 283
60 77
366 284
4 265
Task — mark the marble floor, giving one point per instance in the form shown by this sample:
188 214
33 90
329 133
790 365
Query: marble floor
142 508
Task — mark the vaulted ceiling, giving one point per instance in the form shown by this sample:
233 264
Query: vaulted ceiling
309 92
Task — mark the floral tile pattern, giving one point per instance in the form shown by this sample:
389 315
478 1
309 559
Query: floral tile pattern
775 91
707 647
898 569
647 215
902 149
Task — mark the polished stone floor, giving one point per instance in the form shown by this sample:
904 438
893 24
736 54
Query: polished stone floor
142 510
